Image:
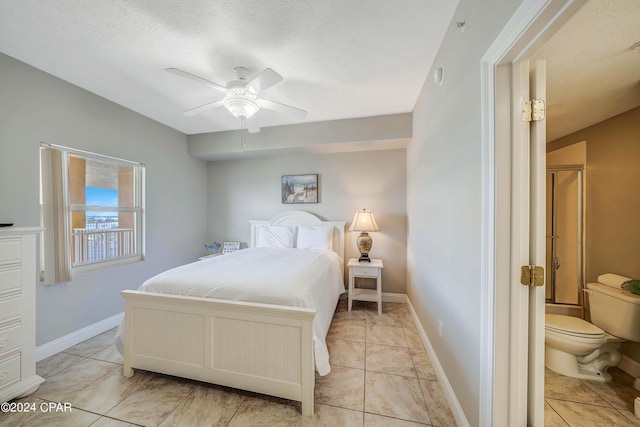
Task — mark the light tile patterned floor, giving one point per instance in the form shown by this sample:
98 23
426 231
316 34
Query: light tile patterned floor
580 403
381 376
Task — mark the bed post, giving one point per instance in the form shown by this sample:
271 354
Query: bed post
127 370
308 379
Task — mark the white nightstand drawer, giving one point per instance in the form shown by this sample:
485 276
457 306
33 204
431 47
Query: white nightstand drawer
365 271
10 370
10 338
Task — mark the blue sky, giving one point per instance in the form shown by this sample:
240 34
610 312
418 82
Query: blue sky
101 197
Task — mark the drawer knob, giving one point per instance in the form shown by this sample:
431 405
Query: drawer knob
4 343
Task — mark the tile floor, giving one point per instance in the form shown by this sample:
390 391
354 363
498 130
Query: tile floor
381 376
577 403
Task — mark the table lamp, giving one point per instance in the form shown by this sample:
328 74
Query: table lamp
364 221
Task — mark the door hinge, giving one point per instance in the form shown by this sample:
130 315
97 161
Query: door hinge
532 275
533 110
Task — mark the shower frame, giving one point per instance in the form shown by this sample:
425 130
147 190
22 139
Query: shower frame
579 169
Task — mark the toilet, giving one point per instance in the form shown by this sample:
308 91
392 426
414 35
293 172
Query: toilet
579 349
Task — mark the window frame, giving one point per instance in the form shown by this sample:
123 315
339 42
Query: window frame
138 208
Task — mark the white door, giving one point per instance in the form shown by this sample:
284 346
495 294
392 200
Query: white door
528 248
537 248
514 151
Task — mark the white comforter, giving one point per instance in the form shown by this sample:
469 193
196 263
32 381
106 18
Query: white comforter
294 277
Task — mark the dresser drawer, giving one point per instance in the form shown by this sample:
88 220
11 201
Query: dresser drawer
10 308
10 338
10 250
9 370
10 279
365 271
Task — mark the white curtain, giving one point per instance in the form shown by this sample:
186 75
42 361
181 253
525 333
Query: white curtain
56 219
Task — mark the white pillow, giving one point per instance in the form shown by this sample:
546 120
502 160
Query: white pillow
318 237
275 236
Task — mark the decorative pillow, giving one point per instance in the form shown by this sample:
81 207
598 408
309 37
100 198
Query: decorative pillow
318 237
275 236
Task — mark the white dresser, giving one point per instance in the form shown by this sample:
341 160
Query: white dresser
18 312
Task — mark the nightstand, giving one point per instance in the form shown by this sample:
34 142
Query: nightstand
209 256
370 270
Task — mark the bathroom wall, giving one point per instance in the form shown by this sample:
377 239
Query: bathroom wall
612 198
574 154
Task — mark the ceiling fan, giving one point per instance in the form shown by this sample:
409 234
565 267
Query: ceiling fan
241 96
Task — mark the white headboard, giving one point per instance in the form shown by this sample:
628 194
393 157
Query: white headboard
301 218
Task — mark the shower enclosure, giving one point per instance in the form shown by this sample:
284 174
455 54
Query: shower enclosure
564 264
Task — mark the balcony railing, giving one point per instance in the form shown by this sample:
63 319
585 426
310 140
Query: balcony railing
91 245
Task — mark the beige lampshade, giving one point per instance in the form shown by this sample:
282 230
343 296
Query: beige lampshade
364 221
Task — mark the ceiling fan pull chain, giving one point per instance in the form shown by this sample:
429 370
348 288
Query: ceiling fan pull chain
243 134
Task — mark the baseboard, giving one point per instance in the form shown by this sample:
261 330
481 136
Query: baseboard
452 400
63 343
630 366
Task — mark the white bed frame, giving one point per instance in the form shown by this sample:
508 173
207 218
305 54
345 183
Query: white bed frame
257 347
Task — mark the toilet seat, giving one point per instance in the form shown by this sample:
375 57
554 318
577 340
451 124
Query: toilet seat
573 326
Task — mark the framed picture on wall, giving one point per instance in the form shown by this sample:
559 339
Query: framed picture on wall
300 188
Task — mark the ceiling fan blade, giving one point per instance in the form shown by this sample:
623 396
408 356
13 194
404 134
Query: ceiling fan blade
195 78
282 108
203 107
252 125
264 80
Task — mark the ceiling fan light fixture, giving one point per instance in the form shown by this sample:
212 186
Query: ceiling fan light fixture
241 106
241 96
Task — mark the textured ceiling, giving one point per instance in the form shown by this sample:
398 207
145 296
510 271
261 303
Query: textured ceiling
339 59
592 71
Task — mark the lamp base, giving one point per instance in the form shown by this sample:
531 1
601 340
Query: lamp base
364 258
364 242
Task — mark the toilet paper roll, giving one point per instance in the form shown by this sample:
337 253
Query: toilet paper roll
615 280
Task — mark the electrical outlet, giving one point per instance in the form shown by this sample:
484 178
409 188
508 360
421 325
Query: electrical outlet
440 325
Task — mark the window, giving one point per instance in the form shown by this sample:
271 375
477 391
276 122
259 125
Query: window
93 211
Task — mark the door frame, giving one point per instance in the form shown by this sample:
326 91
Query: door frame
502 303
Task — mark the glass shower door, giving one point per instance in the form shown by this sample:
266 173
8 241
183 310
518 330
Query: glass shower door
564 236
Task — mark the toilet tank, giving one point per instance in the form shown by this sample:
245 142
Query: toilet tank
617 311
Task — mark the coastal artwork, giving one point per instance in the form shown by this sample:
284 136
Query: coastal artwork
300 189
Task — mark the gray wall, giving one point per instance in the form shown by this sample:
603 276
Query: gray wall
34 107
438 213
240 190
444 199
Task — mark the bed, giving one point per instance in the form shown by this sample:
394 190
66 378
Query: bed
265 334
